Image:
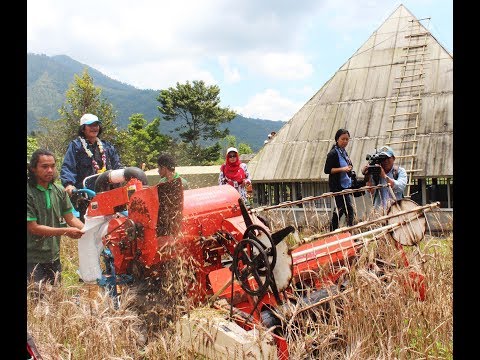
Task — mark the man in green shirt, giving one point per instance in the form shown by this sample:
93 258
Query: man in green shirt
170 197
166 170
49 211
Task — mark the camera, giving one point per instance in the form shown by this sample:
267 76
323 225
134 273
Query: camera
353 175
374 161
376 158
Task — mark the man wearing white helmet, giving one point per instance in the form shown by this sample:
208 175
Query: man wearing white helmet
87 155
235 173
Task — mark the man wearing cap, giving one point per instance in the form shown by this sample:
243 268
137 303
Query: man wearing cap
87 155
166 170
391 174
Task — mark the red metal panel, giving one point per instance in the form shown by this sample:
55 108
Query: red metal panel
105 203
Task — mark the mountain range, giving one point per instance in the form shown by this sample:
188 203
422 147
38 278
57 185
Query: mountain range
48 79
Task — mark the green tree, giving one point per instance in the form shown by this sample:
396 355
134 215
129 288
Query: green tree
83 97
42 141
195 108
49 137
142 142
231 141
226 142
244 149
32 145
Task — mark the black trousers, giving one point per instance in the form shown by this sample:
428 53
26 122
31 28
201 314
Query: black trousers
344 207
44 271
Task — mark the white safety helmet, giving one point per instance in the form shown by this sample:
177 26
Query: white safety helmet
232 149
88 119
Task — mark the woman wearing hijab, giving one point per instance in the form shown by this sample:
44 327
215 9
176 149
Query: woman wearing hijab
235 173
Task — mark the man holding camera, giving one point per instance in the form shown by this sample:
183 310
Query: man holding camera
381 169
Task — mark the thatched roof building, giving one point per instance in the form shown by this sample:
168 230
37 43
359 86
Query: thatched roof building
397 90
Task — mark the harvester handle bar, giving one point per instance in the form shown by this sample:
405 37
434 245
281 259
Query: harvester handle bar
89 177
90 193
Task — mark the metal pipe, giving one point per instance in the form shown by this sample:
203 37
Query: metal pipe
118 176
428 207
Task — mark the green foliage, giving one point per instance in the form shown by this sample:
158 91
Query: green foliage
194 108
51 135
226 142
231 141
142 142
49 77
81 97
32 145
418 340
84 97
196 111
244 149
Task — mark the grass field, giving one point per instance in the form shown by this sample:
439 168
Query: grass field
378 319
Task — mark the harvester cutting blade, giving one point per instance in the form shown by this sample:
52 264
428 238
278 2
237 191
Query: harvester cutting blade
413 224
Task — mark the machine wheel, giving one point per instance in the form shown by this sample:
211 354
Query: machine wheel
413 231
250 259
265 239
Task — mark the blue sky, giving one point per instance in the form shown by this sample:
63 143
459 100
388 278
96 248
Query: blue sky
268 57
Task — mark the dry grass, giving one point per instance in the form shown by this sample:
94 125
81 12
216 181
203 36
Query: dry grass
377 318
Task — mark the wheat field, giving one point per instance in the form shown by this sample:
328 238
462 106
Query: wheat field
377 318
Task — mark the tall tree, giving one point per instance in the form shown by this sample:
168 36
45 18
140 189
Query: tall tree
231 141
142 142
50 136
83 97
195 108
244 148
226 142
32 145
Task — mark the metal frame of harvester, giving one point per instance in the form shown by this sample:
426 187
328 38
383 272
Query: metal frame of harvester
254 273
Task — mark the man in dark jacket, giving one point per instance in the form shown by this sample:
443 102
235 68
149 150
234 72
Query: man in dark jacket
87 155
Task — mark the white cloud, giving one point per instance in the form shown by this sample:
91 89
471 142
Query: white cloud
159 75
230 74
243 46
269 105
123 30
279 66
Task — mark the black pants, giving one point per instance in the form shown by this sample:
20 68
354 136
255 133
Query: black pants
344 207
44 271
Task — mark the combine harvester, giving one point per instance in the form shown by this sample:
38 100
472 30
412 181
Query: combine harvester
253 271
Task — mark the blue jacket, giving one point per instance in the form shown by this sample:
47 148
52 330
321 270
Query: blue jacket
383 196
334 180
77 165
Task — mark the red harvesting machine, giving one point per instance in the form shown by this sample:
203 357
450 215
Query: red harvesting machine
237 259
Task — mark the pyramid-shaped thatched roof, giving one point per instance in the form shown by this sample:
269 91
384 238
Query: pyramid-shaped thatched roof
358 97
